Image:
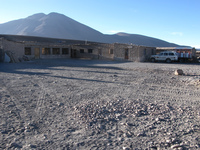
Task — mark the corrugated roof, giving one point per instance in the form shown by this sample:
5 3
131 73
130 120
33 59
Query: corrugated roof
172 48
21 38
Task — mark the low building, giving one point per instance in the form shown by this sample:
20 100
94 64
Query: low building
30 47
116 51
133 52
36 47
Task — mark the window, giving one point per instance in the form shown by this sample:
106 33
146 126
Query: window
27 51
90 50
145 52
166 54
110 51
56 51
126 54
100 51
46 51
81 50
65 51
171 54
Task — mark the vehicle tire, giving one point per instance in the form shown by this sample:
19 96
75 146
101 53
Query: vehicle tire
153 60
168 60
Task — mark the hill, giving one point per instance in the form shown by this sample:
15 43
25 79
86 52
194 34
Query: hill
57 25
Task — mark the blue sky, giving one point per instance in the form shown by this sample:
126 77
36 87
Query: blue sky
176 21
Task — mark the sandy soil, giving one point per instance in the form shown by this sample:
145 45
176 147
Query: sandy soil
91 104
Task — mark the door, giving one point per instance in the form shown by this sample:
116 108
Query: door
37 53
162 56
126 54
73 53
99 54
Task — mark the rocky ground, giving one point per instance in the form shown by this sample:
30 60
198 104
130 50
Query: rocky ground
91 104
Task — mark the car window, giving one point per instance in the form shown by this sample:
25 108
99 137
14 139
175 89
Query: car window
161 54
166 54
171 54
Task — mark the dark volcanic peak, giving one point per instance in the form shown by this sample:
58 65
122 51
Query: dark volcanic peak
55 25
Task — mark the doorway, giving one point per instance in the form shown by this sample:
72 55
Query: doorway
126 54
99 53
73 53
37 53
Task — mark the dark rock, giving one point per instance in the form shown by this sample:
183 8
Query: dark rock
81 144
153 147
33 146
178 72
15 145
130 124
33 125
141 134
5 131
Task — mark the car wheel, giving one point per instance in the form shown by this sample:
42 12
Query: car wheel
153 60
168 60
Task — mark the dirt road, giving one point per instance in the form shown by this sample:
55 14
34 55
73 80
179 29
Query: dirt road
91 104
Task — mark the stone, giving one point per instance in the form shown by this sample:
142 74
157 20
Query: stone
32 146
178 72
176 146
14 145
126 148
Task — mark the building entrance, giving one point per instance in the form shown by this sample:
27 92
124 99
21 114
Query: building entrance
37 53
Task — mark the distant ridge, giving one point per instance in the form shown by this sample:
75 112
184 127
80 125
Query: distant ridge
55 25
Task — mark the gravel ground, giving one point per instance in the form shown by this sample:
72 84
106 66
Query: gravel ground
91 104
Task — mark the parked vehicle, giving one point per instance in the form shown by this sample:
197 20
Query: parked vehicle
198 58
184 54
167 56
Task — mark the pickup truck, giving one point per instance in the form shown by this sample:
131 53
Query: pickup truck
167 56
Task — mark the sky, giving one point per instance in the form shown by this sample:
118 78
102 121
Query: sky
175 21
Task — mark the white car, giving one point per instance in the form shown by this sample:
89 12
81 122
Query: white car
167 56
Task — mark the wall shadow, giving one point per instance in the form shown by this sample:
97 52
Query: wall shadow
36 67
50 63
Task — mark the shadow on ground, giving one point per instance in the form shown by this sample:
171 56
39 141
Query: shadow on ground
43 67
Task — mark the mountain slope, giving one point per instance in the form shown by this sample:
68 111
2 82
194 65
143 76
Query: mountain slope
56 25
140 40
